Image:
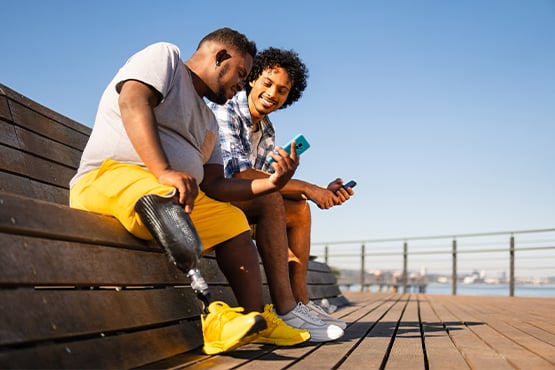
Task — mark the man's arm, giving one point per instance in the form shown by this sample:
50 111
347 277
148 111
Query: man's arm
324 198
137 102
218 187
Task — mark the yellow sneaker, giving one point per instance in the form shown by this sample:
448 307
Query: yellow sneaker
278 332
225 328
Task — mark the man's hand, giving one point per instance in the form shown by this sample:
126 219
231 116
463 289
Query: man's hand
185 184
284 166
336 186
333 195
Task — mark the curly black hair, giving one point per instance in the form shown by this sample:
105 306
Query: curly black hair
286 59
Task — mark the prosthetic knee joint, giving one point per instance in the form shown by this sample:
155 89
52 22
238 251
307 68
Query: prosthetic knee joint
172 228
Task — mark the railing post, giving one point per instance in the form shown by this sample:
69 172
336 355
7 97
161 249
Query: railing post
454 276
512 267
326 254
362 267
405 264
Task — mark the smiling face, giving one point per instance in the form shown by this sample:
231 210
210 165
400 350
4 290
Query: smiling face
268 92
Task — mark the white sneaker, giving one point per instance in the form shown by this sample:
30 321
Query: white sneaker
301 318
323 315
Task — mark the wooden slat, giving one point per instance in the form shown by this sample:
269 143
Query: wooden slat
50 193
407 351
14 184
323 291
46 125
128 350
440 350
4 108
318 266
36 168
18 215
39 108
320 278
28 261
489 326
69 313
50 150
8 135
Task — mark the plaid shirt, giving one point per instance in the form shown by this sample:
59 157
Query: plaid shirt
235 123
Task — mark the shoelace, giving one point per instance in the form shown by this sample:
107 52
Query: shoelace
272 316
302 309
223 310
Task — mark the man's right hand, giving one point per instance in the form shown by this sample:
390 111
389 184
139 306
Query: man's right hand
284 166
185 184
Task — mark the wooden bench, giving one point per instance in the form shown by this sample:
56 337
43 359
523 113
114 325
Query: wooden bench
77 290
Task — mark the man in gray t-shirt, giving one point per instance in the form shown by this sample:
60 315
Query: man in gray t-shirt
153 161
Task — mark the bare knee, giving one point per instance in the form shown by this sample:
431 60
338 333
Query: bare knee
297 211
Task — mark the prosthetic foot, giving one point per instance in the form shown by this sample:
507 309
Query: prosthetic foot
172 228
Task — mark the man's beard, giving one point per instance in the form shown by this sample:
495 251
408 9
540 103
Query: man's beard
220 96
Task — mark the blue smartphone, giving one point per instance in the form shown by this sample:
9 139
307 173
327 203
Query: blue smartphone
301 144
350 184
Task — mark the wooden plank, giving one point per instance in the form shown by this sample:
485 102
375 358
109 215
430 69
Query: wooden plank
14 184
511 343
28 261
127 350
69 313
41 109
476 353
318 266
319 277
36 168
407 351
50 193
50 150
322 291
18 215
8 135
12 160
4 108
47 126
373 350
440 350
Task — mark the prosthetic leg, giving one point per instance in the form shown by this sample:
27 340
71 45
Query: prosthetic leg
173 230
224 328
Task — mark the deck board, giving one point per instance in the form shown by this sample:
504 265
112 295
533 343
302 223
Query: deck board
414 331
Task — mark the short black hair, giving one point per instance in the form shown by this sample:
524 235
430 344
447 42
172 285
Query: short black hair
286 59
231 37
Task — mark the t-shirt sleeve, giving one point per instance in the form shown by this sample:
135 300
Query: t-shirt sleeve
155 66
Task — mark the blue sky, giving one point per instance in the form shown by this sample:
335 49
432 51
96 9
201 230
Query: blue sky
442 111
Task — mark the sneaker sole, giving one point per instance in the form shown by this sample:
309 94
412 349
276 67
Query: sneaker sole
220 346
281 342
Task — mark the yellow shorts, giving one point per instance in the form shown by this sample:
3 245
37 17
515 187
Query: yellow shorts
115 187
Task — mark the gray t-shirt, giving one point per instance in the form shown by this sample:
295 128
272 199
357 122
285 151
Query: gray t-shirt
187 127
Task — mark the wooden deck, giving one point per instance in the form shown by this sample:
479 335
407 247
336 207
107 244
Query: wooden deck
415 331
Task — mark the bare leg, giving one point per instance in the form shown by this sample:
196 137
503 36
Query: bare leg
298 232
238 260
268 213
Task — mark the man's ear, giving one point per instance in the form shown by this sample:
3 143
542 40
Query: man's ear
222 55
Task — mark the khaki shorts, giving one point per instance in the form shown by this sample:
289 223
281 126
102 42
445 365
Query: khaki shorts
115 187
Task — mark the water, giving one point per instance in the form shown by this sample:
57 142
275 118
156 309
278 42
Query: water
521 290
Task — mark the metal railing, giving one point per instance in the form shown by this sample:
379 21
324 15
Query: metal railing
493 251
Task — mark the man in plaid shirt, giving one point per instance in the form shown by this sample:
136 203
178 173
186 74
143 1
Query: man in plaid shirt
283 220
